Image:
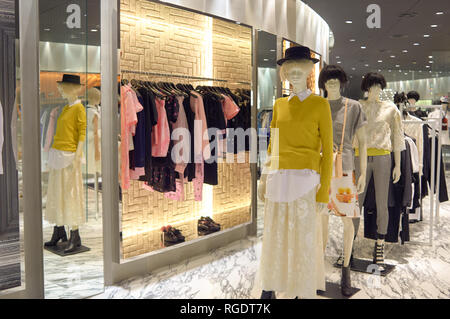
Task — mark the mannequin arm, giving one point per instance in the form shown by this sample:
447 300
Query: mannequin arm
79 153
263 181
397 172
362 141
96 138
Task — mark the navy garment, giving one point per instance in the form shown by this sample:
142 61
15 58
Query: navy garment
137 156
400 195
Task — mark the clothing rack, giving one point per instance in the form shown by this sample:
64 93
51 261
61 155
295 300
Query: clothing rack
180 76
436 125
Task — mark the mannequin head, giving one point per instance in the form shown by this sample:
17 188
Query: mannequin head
296 72
331 80
373 83
413 97
69 91
401 100
94 96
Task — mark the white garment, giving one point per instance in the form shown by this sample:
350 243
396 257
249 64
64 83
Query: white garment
292 258
385 127
287 185
1 138
415 131
59 159
93 166
414 154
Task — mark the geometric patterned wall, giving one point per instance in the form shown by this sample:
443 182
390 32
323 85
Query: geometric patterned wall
162 39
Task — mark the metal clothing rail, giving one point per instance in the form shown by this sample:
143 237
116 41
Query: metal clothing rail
169 75
435 124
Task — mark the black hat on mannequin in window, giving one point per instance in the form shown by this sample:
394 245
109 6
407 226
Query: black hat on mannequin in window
70 78
297 53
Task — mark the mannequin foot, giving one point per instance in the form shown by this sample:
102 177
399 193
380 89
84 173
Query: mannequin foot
268 295
74 242
378 256
59 233
346 286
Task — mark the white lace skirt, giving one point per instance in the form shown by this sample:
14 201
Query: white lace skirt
292 258
65 197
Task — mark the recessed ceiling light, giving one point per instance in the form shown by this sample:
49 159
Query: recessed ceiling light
390 70
338 57
266 60
405 51
414 62
366 65
427 66
94 30
434 25
430 61
439 13
380 61
406 73
426 35
273 50
338 62
353 68
352 40
416 44
348 21
363 47
47 29
392 56
379 70
430 56
397 65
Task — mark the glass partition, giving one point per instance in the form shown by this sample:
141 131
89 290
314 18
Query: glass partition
11 261
70 147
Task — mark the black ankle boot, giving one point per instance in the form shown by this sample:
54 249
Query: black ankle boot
268 295
59 233
346 286
74 242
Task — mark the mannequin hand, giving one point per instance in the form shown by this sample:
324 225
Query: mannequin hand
396 174
361 183
262 187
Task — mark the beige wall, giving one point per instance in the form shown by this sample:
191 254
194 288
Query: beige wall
162 39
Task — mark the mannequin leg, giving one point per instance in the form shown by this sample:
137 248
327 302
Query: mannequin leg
382 177
349 232
325 219
59 233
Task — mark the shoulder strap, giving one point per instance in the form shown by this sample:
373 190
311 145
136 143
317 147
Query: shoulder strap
341 147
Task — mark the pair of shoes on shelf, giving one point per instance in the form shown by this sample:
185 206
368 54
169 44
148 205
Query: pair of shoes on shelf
172 235
207 226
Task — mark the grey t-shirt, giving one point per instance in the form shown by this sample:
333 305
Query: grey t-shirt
355 119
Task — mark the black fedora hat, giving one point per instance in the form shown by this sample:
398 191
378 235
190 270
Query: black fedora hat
70 78
297 53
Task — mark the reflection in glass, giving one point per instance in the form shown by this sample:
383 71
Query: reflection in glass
10 183
70 147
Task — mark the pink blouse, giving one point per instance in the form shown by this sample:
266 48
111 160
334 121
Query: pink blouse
161 131
129 108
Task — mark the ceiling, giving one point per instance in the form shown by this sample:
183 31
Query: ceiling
403 23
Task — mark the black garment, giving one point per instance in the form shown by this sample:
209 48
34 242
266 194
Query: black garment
151 119
426 178
399 198
163 174
215 119
241 121
189 173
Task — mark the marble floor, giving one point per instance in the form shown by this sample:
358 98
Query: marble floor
231 272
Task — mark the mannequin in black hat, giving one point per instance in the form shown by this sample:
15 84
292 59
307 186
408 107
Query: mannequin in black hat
65 196
292 258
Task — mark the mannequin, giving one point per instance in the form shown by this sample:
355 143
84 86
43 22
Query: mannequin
331 80
295 177
385 132
65 186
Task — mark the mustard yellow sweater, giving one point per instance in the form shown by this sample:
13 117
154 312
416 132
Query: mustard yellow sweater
304 130
70 128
